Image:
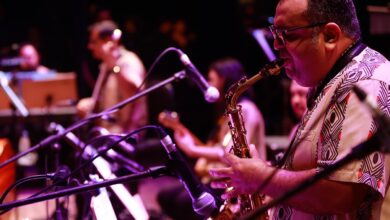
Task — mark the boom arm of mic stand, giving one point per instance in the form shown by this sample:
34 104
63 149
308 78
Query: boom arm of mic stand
177 76
153 172
357 152
12 96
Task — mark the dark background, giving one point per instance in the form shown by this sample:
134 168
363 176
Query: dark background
216 28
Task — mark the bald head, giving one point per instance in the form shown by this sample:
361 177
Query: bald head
30 57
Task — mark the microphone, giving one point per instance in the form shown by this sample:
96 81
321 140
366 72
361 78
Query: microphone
132 203
122 147
116 34
61 176
203 202
106 138
70 137
211 94
125 162
75 142
102 142
109 46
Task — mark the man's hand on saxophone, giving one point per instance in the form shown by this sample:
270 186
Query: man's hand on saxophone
242 175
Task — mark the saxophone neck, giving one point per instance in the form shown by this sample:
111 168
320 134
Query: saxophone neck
235 91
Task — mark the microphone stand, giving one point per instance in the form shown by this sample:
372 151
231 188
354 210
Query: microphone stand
153 172
379 141
177 76
60 212
17 106
12 96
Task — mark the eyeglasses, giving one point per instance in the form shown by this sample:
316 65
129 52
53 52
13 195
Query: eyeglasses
280 34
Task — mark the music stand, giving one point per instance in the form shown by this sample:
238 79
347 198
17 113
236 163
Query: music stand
40 91
58 91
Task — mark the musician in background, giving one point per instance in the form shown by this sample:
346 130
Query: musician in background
31 60
222 73
298 103
121 73
321 46
298 106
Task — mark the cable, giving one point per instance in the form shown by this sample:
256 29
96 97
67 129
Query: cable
169 49
92 142
99 153
81 159
23 180
52 138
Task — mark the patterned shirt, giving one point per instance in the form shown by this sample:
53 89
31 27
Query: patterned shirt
336 123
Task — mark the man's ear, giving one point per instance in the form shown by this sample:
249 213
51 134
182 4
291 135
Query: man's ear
332 33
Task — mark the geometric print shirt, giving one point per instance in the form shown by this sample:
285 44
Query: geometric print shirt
337 122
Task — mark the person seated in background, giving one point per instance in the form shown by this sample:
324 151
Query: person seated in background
297 108
121 74
223 73
31 60
298 99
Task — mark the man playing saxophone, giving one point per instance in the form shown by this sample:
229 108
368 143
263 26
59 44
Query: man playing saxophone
319 41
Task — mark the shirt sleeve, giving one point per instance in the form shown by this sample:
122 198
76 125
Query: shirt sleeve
347 124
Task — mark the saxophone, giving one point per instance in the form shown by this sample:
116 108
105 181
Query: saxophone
240 148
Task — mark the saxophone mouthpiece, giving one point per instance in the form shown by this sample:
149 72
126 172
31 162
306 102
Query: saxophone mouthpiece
279 62
273 68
